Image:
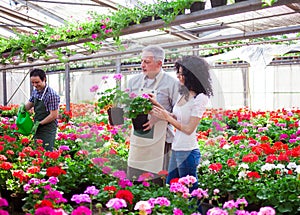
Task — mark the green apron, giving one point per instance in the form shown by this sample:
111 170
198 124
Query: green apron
46 132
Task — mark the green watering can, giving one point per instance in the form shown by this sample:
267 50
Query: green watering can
24 122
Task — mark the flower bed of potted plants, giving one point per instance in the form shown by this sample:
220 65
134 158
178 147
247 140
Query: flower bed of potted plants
249 158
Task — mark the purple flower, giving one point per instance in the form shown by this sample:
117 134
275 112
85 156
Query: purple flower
81 198
91 190
3 202
116 203
81 210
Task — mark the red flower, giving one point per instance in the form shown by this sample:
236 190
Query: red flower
53 155
215 167
44 203
126 195
250 158
231 162
283 157
271 159
174 180
163 173
110 189
55 171
33 169
20 174
253 175
6 165
3 158
25 141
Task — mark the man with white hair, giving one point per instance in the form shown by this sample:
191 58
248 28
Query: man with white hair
150 152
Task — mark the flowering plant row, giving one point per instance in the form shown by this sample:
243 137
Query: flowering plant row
248 159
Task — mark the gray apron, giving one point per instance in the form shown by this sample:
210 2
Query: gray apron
46 132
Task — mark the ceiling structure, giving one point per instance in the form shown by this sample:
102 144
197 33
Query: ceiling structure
243 20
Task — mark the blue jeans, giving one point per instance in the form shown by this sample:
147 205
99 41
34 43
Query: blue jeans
183 163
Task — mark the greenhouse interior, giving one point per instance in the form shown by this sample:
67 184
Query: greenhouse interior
247 134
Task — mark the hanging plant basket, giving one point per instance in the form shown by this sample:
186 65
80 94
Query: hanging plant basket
115 116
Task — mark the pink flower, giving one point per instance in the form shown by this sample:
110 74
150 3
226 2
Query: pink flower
108 31
94 88
142 206
80 198
81 210
230 204
118 76
44 210
91 190
33 41
119 174
116 203
104 77
162 201
216 211
94 36
188 180
266 211
3 202
177 211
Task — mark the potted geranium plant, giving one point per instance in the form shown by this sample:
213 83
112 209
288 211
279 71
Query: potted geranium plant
113 101
138 110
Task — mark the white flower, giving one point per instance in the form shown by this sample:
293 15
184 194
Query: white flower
268 167
107 144
242 174
226 146
243 166
205 163
297 170
292 165
280 166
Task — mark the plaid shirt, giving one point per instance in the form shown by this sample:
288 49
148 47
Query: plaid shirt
51 98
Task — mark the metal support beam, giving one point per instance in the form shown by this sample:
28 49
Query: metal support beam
67 84
242 36
4 88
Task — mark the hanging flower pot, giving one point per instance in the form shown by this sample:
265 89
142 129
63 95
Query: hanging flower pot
196 6
139 121
115 116
217 3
